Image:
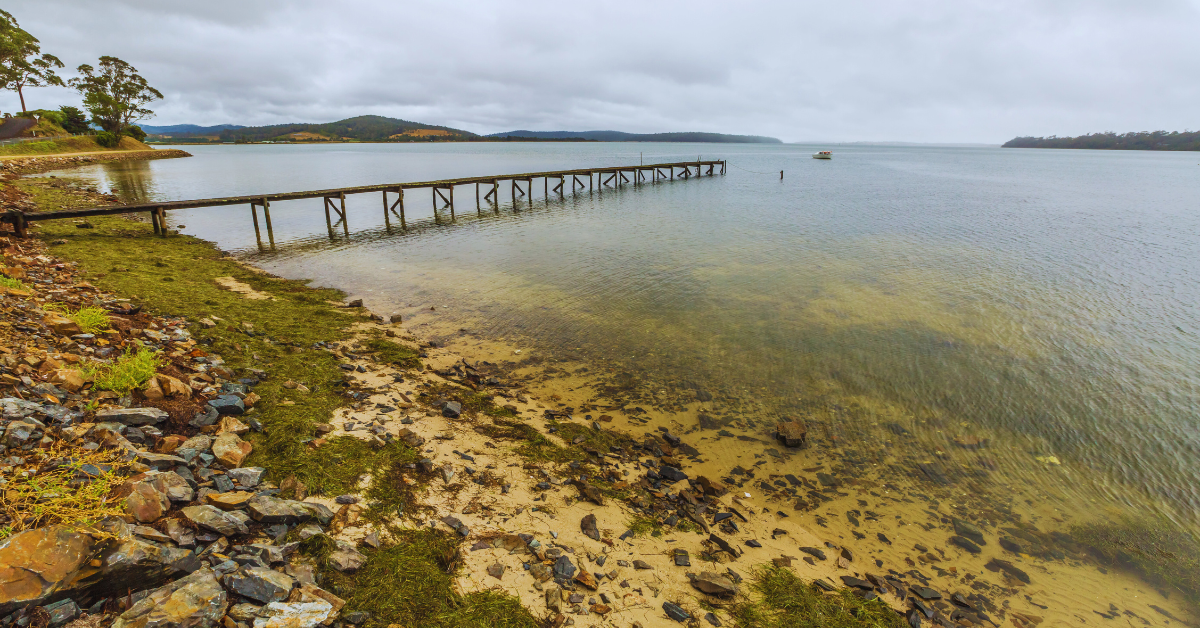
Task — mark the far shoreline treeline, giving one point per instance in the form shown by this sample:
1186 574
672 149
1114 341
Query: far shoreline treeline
384 129
1144 140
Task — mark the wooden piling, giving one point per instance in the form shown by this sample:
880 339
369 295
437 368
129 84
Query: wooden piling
387 221
345 218
257 233
267 214
452 218
328 222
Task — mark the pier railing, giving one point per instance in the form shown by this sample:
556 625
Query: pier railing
442 191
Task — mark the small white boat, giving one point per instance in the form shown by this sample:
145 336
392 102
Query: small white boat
825 154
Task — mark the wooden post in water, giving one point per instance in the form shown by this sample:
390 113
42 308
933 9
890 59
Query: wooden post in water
452 218
257 233
267 214
478 207
162 221
328 222
345 219
387 221
400 201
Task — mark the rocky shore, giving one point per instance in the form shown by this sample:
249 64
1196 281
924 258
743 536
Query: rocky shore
225 484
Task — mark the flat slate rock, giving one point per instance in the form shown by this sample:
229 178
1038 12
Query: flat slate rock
857 583
925 593
132 416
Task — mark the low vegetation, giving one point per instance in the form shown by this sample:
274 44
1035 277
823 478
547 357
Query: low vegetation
54 496
1145 140
9 282
77 144
91 320
786 601
410 582
128 373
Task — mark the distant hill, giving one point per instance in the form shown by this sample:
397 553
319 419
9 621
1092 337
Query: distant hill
360 128
1145 140
618 136
189 129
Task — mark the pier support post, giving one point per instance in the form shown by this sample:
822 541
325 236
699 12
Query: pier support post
387 220
257 233
478 207
267 214
162 221
452 218
345 221
328 222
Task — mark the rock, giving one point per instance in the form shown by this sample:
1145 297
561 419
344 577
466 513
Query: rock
131 416
914 618
563 568
233 500
682 559
724 545
671 474
35 564
496 570
411 438
243 612
813 551
61 612
969 530
294 614
714 584
347 559
589 492
792 433
1011 545
259 583
712 619
230 424
309 592
267 509
588 526
1007 567
194 601
857 583
145 503
181 534
160 461
247 477
452 409
212 518
711 487
228 404
231 450
61 325
70 379
585 578
925 593
674 611
847 554
174 486
965 543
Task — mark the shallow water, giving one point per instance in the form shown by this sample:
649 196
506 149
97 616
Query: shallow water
893 297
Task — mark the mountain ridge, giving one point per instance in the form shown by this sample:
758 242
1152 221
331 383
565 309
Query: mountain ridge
621 136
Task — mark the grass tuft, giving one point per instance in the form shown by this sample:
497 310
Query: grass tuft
642 525
389 352
9 282
789 602
74 489
128 373
90 319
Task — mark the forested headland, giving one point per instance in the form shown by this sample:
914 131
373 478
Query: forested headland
1145 140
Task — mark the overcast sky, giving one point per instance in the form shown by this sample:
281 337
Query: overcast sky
848 70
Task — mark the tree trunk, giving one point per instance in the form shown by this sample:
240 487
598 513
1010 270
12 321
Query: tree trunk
22 95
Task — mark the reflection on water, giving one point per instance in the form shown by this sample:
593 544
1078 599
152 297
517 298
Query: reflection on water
131 181
1013 331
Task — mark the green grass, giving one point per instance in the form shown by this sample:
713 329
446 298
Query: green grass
409 582
80 144
389 352
90 319
641 525
128 373
786 601
9 282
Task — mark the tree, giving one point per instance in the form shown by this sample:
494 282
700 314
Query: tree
22 63
74 122
116 95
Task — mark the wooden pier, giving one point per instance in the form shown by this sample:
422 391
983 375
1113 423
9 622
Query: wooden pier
442 192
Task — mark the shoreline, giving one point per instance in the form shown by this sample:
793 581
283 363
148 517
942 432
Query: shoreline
489 515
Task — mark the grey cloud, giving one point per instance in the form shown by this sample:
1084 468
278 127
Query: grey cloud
923 70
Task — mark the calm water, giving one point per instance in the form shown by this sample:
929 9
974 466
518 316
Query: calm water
1045 300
